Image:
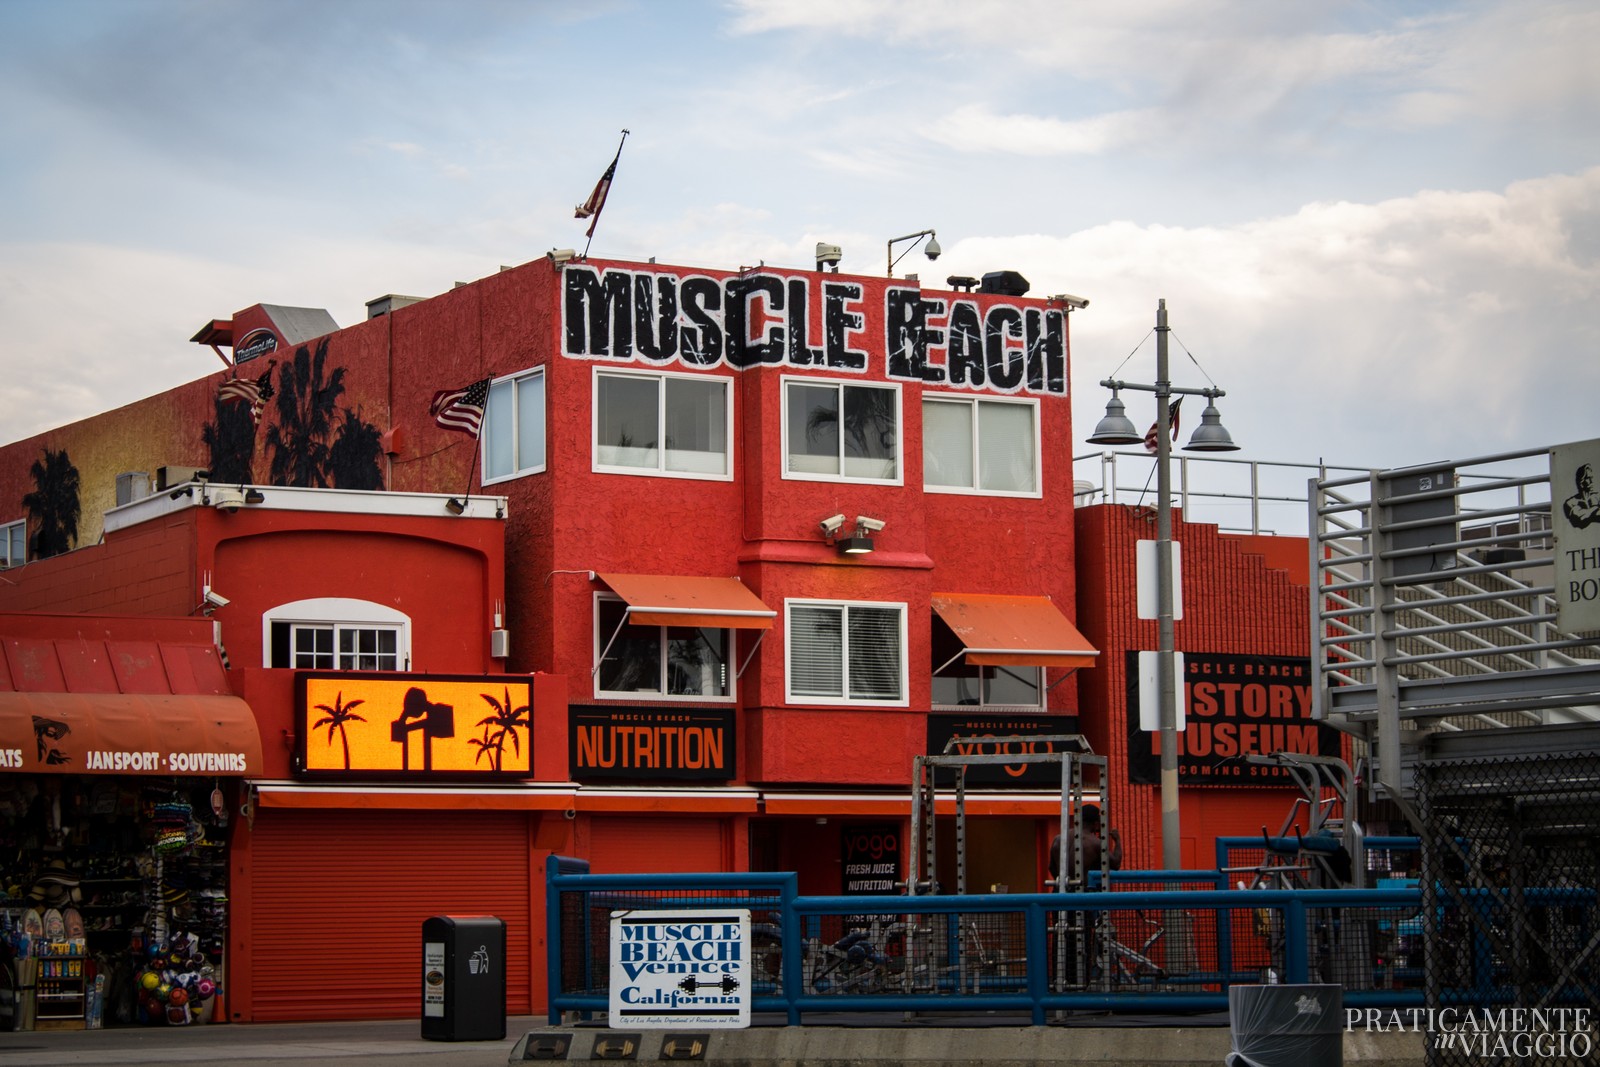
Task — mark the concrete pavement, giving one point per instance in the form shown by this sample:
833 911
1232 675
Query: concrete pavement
922 1043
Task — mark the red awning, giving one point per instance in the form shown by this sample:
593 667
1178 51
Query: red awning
1013 630
675 600
128 733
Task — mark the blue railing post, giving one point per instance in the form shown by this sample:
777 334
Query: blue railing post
1037 941
1296 957
793 942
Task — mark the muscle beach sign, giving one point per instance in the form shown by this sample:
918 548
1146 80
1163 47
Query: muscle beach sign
813 322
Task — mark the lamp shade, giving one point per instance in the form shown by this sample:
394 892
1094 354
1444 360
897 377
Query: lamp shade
1210 436
1116 428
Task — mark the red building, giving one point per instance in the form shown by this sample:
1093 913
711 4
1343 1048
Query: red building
755 540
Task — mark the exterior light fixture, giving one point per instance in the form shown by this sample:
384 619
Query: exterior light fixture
254 496
1117 429
454 506
857 544
933 251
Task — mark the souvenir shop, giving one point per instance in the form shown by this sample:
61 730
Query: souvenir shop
113 899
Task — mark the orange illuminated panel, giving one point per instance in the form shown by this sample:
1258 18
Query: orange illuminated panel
400 725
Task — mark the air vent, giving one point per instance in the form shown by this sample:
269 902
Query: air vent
131 486
392 302
1004 282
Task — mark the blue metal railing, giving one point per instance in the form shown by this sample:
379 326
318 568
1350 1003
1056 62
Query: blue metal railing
942 962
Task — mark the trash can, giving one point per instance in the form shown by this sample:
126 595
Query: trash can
1286 1025
463 978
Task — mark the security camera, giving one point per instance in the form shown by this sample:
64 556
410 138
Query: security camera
867 522
215 599
227 500
827 253
831 524
558 256
1079 302
933 250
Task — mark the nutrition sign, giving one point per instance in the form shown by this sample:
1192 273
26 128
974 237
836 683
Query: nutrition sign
673 969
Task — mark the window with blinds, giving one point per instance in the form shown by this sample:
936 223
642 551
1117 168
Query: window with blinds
980 446
845 653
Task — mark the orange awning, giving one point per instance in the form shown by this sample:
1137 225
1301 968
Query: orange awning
1013 630
674 600
183 735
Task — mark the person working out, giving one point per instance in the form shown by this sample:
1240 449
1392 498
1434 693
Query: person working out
1092 846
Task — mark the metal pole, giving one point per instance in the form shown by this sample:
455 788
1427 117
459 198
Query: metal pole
1166 675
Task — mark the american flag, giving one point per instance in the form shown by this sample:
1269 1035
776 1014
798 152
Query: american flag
591 208
255 392
1152 438
461 409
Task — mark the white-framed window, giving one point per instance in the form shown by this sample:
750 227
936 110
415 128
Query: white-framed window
336 634
845 652
841 431
671 662
14 544
673 425
513 438
979 445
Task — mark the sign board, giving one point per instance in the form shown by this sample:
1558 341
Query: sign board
1574 472
1147 586
980 735
605 743
1441 532
433 979
1239 706
413 725
680 969
1150 691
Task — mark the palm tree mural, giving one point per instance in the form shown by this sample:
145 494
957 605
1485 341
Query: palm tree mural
335 719
232 443
53 506
498 727
353 461
315 443
307 395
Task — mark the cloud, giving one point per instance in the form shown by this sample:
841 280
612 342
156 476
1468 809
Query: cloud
87 327
974 128
1442 324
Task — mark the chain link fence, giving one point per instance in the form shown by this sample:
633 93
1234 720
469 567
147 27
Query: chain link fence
1511 908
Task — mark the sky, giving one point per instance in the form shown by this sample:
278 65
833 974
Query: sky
1375 225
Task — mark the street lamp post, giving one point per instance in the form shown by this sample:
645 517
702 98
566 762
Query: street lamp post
1116 429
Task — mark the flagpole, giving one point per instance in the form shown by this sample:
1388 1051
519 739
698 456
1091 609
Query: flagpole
611 170
466 497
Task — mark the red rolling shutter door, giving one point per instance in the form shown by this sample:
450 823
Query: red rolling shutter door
622 844
340 896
